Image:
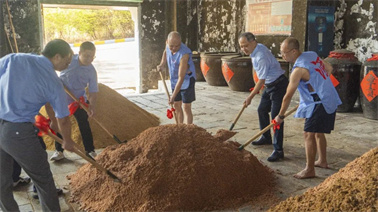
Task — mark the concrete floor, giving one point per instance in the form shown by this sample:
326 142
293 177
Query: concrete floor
216 108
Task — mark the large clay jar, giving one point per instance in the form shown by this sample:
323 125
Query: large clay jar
369 87
196 57
285 66
211 67
237 71
345 77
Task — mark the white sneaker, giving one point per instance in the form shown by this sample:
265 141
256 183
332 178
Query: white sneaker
93 154
57 156
22 181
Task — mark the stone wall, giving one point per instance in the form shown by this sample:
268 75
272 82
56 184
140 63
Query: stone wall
356 27
155 26
25 19
219 24
3 40
205 26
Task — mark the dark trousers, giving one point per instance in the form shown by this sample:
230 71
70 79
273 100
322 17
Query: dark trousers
19 142
17 168
85 131
271 101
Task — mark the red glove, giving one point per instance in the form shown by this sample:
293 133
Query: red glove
276 125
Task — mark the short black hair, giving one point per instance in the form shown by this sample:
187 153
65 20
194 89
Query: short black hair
87 46
56 46
250 37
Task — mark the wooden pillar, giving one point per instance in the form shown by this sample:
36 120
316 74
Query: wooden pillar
174 15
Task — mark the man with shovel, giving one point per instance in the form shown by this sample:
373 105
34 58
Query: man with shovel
27 82
182 73
79 75
271 76
318 101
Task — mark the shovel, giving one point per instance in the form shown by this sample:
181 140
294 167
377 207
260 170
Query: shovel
44 128
87 110
237 117
265 129
75 144
167 92
85 157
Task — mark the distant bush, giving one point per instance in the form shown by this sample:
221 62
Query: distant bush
77 25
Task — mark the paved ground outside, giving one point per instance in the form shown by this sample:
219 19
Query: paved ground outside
115 64
216 108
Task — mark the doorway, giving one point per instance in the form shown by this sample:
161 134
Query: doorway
117 42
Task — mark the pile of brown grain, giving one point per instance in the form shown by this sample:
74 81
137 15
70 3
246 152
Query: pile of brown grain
117 114
172 168
353 188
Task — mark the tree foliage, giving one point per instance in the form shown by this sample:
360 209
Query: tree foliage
76 25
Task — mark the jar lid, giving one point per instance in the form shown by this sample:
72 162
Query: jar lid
342 51
342 54
374 57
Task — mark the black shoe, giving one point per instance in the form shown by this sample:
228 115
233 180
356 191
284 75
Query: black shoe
262 141
275 156
59 191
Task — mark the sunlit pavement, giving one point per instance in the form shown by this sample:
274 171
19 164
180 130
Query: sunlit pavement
116 65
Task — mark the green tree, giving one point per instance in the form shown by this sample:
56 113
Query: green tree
75 25
56 23
124 24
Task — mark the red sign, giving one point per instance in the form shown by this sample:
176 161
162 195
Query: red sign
227 72
334 81
369 86
255 77
204 68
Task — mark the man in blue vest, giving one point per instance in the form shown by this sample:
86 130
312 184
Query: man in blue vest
27 82
182 73
271 76
318 102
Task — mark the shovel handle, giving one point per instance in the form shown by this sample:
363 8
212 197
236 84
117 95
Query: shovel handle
169 96
265 129
60 141
87 110
85 157
237 117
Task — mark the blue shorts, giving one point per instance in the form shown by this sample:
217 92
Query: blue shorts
187 95
320 121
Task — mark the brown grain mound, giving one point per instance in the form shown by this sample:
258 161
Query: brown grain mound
117 114
353 188
171 168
